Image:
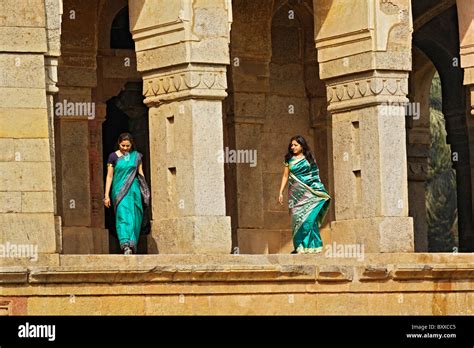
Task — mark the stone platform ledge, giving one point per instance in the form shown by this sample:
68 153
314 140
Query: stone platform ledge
277 284
279 268
118 261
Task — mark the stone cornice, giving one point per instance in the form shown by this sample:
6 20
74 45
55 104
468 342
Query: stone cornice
367 89
300 273
192 81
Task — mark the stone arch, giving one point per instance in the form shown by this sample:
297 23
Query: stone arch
119 94
115 66
120 36
314 88
418 144
90 71
270 78
438 39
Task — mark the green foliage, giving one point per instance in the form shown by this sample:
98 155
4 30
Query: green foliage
441 183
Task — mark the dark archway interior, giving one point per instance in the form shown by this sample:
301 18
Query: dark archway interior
120 36
439 40
125 113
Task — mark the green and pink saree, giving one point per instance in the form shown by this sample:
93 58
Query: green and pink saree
308 203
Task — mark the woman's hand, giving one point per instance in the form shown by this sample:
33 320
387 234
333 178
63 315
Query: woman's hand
107 202
280 199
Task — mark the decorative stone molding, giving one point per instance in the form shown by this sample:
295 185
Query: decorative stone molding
335 273
425 272
417 171
367 89
51 73
193 81
302 272
54 11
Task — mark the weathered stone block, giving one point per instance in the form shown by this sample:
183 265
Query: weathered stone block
22 97
10 202
15 39
74 173
378 234
22 70
28 123
32 150
22 14
193 235
25 176
71 304
85 240
31 229
249 104
77 76
288 114
8 153
37 202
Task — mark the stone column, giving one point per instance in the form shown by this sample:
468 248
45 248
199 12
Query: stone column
54 11
99 235
466 38
75 112
182 52
418 146
365 64
26 189
73 170
250 71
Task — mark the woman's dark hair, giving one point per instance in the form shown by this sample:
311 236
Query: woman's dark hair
306 149
126 136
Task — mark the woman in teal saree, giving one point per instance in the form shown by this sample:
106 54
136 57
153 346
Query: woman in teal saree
308 199
127 185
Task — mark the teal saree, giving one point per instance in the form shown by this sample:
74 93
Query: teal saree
308 203
126 197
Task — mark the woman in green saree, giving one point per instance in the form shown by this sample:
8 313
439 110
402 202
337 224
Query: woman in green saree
127 185
308 200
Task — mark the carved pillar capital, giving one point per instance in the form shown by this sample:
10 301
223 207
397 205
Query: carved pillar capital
194 81
366 89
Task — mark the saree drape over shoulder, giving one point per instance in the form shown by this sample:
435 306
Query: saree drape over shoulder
308 203
126 195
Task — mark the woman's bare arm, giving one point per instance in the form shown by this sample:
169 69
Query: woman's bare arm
284 181
108 184
140 170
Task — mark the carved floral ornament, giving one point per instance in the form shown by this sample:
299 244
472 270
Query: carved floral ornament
182 81
367 87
